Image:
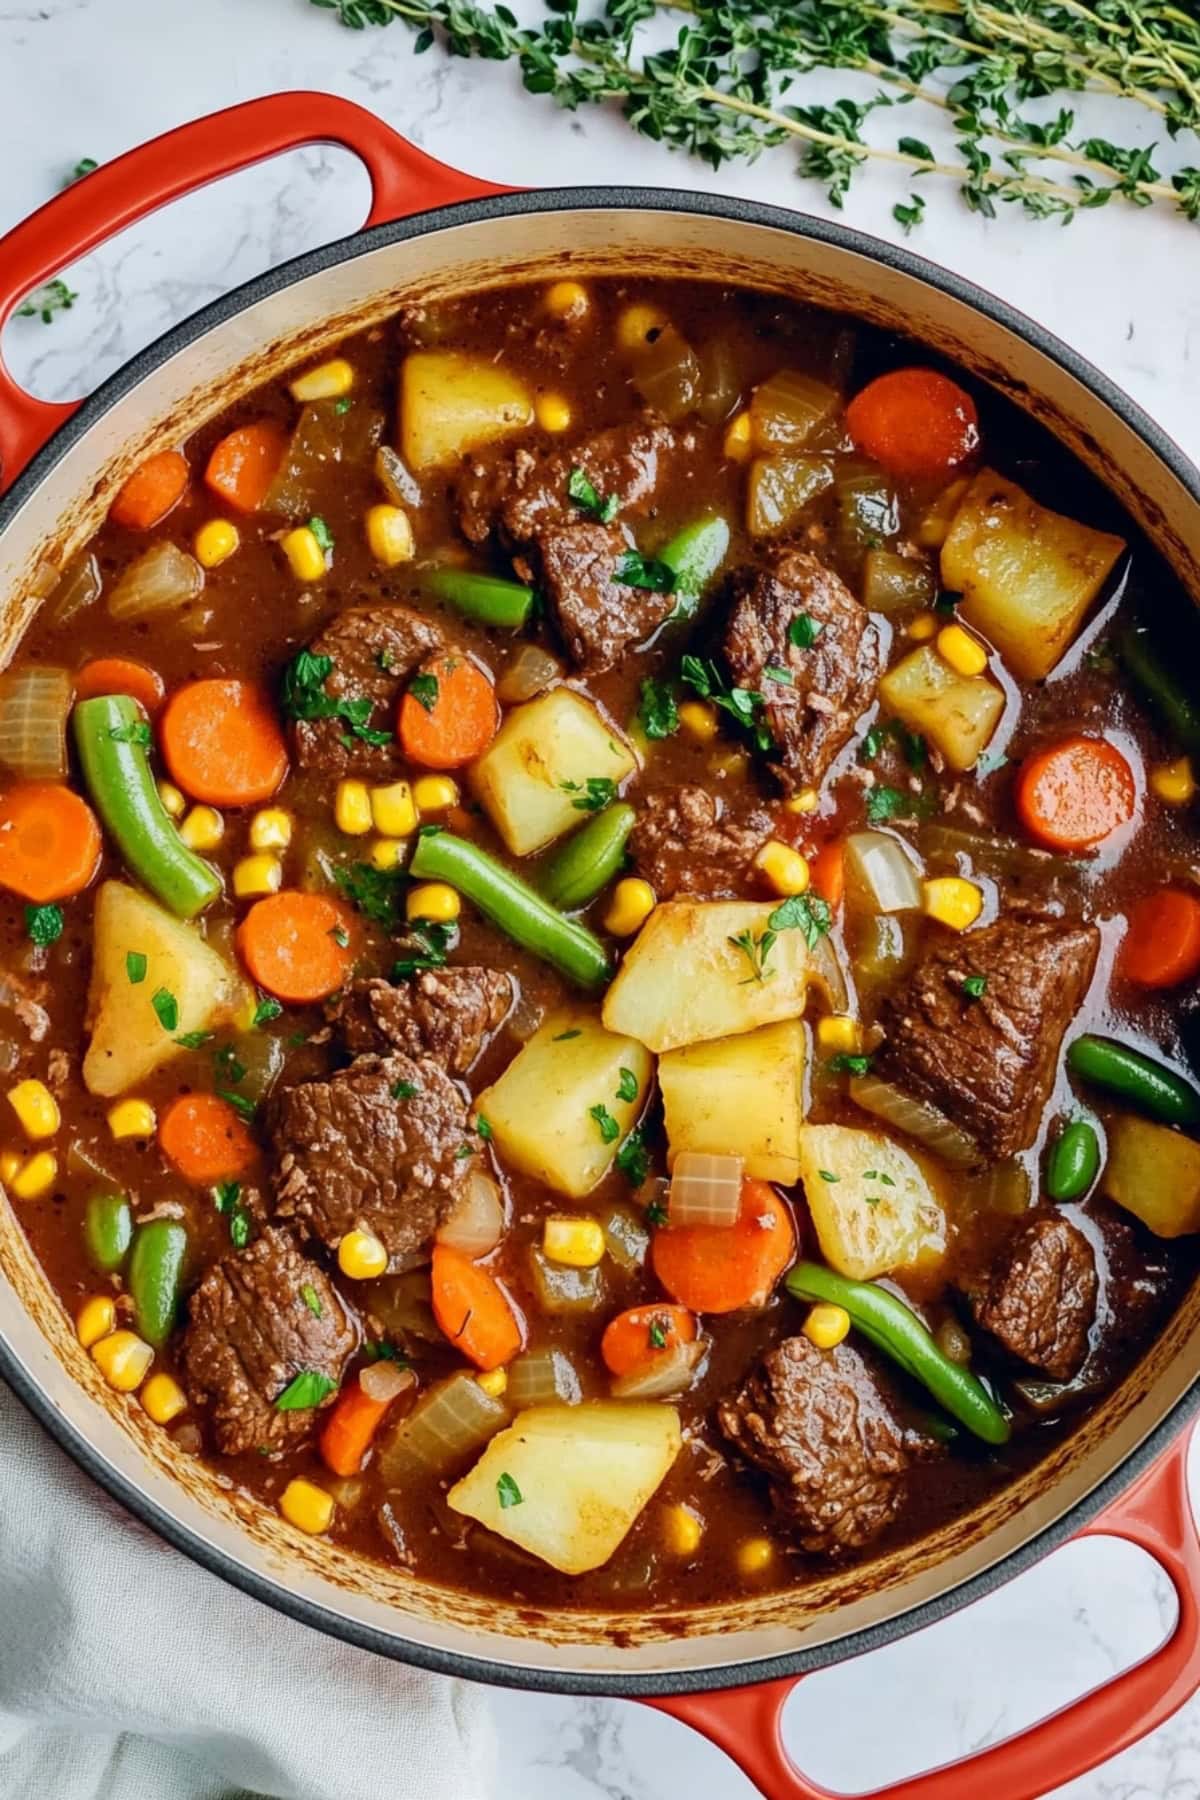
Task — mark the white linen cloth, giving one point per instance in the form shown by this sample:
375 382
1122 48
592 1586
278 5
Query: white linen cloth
129 1673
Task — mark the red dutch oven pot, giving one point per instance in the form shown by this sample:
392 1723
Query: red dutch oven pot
726 1669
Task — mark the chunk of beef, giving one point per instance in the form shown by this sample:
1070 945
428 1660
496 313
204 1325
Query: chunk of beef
822 1428
374 1148
833 677
259 1318
523 492
1040 1297
597 617
375 650
685 843
443 1014
988 1062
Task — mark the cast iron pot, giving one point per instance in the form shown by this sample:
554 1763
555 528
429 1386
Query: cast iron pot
726 1669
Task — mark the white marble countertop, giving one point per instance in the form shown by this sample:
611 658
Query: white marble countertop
94 77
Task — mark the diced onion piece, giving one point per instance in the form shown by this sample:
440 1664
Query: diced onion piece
322 436
827 969
78 588
779 490
162 579
666 373
918 1120
542 1378
894 583
531 671
403 1304
884 949
454 1419
560 1290
867 511
396 478
789 408
386 1380
705 1189
477 1223
34 704
720 383
880 874
670 1373
1005 1188
625 1237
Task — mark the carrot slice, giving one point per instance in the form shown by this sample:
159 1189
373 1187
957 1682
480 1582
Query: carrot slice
49 842
353 1421
449 714
1162 945
298 946
827 872
473 1310
242 467
914 422
121 675
223 743
151 491
719 1268
635 1338
1076 793
205 1139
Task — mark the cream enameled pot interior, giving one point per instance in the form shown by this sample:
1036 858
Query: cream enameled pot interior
198 374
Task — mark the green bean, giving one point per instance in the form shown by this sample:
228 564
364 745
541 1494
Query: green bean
1146 1083
108 1230
1176 705
1074 1161
695 554
511 905
893 1328
155 1276
111 735
487 598
588 861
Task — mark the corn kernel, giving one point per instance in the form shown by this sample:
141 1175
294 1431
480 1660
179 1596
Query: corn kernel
10 1164
305 556
839 1035
567 300
784 868
36 1176
738 438
163 1398
352 811
95 1319
682 1530
806 801
826 1326
754 1555
637 326
123 1359
174 804
577 1243
552 412
632 903
306 1506
494 1382
36 1109
699 720
386 853
434 793
1174 782
952 900
203 828
390 535
215 543
922 628
392 810
361 1256
435 900
132 1119
256 875
963 652
328 381
271 829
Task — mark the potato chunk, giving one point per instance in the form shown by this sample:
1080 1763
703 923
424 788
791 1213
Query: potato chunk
1154 1173
154 979
567 1482
543 1109
739 1096
956 712
539 765
451 402
873 1208
1027 575
685 979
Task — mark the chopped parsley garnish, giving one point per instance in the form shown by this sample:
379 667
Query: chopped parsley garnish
46 301
799 912
804 631
312 1300
635 570
508 1493
381 1351
266 1010
167 1008
307 1389
755 950
627 1086
844 1064
592 795
404 1090
463 1151
375 893
828 1175
658 715
632 1159
242 1105
196 1040
610 1131
911 742
228 1197
974 986
135 967
136 732
884 803
385 659
583 493
432 942
781 677
83 167
743 704
340 936
656 1215
302 696
322 533
424 690
946 603
229 1067
483 1128
564 1035
658 1334
44 924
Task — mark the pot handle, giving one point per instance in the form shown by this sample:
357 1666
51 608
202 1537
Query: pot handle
1156 1514
403 180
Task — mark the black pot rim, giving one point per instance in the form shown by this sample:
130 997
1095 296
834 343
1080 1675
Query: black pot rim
660 1684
